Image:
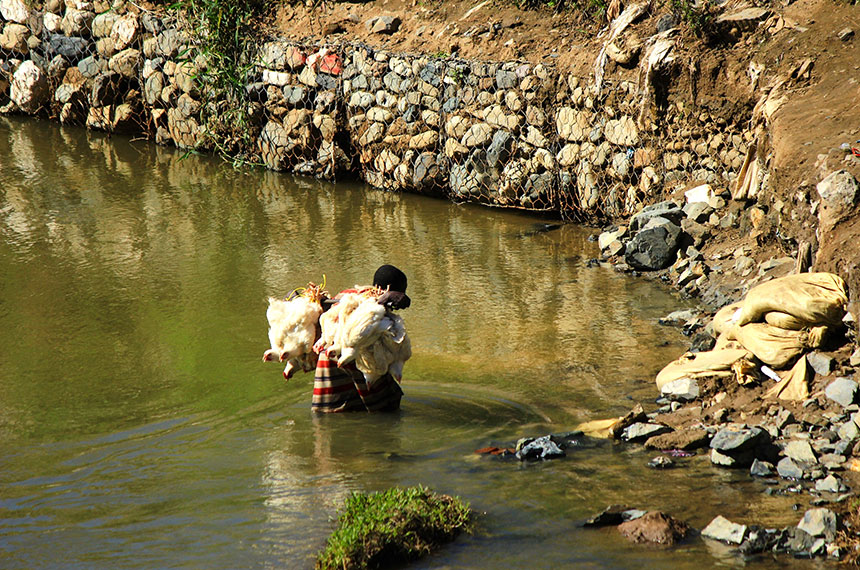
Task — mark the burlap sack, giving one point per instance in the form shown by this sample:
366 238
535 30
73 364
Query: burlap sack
776 347
717 362
812 298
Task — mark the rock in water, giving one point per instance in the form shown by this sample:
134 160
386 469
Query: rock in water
725 530
654 527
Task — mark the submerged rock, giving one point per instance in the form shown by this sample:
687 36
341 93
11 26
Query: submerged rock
656 527
540 448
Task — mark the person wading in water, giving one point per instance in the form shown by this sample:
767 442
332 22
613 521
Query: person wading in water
344 388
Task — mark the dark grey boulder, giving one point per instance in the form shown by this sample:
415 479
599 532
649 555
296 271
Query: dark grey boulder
500 149
73 49
653 249
666 209
541 448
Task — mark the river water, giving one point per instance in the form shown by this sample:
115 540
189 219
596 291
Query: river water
140 429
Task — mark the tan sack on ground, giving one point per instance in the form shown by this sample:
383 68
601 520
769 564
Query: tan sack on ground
813 298
794 384
612 427
774 346
784 321
726 318
717 362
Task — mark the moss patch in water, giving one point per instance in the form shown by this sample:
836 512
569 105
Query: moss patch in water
392 526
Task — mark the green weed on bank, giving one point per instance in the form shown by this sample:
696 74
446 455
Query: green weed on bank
396 525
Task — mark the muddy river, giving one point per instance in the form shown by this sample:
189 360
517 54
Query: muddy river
139 427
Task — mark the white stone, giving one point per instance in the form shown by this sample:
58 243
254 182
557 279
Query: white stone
29 87
701 193
724 530
52 22
457 126
682 389
622 132
278 78
14 11
103 24
124 31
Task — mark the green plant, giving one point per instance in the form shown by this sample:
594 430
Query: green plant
395 525
224 36
699 17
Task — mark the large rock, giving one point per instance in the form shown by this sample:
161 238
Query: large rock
108 89
819 523
668 209
789 469
734 439
77 22
73 49
29 88
427 173
153 86
572 125
800 451
685 439
103 24
14 38
622 132
501 149
124 31
477 135
682 389
654 527
724 530
15 11
540 448
653 248
274 145
384 24
185 132
169 42
839 194
641 431
126 63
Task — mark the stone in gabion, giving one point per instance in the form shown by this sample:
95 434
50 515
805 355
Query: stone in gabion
29 88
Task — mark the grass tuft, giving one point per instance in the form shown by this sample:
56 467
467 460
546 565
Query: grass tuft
392 526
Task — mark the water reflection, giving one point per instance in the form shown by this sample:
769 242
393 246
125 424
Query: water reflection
140 428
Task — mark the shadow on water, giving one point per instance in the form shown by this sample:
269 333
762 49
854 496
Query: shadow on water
141 430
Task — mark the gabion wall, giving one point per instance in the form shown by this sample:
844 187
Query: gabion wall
505 134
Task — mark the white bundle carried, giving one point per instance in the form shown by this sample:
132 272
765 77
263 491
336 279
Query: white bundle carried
293 328
359 329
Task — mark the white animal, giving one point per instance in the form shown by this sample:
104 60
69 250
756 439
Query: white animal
359 329
293 329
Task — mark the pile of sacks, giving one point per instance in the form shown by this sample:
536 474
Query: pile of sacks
768 333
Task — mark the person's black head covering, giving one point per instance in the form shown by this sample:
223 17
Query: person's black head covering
390 278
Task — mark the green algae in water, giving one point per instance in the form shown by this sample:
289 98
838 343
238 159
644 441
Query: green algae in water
396 525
